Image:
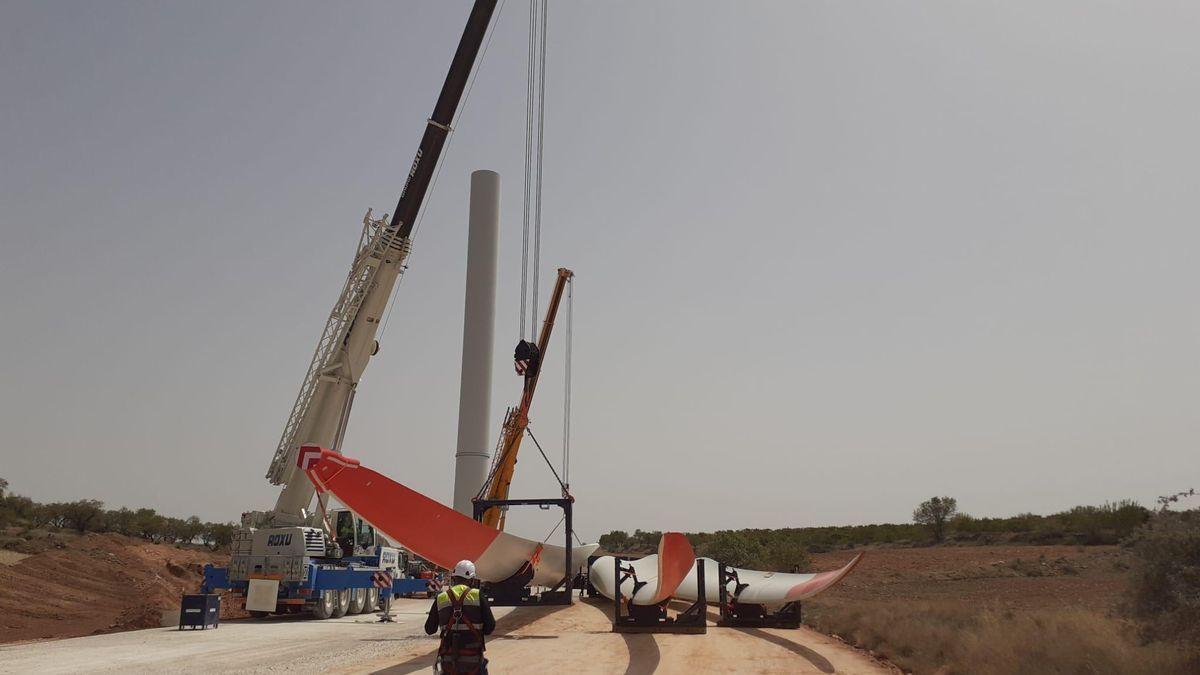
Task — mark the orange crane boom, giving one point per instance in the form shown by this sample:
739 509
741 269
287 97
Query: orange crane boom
517 419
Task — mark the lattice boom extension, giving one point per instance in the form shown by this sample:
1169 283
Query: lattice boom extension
376 243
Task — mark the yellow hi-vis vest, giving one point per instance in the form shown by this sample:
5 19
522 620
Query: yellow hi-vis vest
461 619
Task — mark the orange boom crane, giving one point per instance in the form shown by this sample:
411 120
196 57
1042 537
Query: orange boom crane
528 358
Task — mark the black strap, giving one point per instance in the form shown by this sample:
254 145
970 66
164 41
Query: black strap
456 615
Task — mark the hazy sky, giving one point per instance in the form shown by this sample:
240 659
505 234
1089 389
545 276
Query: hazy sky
833 258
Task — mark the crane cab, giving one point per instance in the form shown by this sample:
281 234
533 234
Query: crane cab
353 535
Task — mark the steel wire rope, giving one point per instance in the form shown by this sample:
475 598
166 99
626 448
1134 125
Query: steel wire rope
567 355
548 462
560 522
554 529
541 128
462 107
525 212
535 115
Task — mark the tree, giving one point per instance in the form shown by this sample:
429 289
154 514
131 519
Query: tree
192 527
3 486
180 531
173 530
218 535
645 541
122 521
734 549
616 541
933 514
148 524
50 515
83 515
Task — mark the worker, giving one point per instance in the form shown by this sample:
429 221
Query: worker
464 617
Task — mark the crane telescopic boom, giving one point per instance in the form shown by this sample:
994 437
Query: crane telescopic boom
517 419
322 408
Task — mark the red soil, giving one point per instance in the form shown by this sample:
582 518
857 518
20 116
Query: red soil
1025 577
97 583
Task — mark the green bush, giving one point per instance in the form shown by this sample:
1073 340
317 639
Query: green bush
89 515
1109 523
733 548
1165 590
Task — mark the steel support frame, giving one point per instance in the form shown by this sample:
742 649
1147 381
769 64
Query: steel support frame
653 618
735 614
553 596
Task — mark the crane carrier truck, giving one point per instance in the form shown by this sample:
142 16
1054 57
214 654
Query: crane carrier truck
329 561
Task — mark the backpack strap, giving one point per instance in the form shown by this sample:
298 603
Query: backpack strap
457 617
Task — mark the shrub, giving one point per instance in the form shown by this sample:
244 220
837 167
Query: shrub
1165 589
88 515
15 510
949 638
734 549
786 556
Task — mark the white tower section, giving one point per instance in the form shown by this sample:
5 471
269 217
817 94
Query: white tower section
472 459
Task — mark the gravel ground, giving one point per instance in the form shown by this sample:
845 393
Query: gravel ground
274 645
552 639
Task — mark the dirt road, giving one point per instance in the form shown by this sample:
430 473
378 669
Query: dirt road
274 645
578 639
575 639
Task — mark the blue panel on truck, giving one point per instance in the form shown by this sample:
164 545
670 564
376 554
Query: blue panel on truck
324 577
409 585
214 578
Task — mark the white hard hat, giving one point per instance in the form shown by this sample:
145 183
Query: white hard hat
465 569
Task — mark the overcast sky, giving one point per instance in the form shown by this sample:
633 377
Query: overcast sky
833 258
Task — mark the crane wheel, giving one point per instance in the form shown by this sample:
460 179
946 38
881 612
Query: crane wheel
372 600
358 601
343 603
326 604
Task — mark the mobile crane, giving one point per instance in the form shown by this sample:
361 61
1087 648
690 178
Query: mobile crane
528 358
330 561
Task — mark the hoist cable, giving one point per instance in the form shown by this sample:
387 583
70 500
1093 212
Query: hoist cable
560 522
461 109
446 148
567 382
551 465
525 214
535 115
555 528
541 127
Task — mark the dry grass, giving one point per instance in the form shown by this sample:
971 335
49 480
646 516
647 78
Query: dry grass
954 638
11 557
